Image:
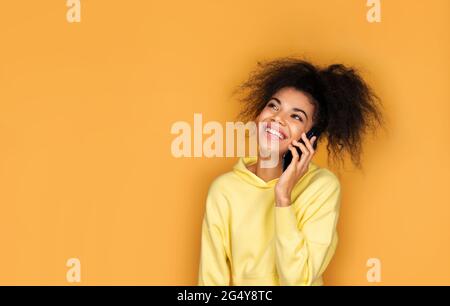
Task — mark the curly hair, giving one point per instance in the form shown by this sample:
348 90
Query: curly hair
345 105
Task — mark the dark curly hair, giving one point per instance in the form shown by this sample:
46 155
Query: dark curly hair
345 105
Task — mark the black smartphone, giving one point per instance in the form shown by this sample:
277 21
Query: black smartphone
287 158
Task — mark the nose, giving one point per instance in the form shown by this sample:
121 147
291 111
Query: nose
279 119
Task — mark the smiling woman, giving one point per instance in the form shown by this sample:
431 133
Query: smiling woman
339 102
270 226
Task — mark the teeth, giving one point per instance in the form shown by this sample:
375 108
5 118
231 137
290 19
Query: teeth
273 132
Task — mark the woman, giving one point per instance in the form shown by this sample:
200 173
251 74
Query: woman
263 226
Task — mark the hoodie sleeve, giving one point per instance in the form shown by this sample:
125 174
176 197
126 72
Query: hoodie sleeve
303 248
214 267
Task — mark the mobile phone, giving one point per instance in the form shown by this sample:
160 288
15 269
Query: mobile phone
287 158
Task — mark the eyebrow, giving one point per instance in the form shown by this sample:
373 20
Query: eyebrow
295 109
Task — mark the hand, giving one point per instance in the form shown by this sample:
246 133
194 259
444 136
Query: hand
296 169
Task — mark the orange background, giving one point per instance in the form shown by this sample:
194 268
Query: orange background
86 109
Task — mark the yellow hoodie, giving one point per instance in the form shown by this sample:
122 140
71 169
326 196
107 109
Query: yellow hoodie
247 240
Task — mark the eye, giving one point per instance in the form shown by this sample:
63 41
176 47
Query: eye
297 117
272 105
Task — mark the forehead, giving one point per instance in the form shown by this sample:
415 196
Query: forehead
291 97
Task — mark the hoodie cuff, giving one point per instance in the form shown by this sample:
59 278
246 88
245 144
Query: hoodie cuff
285 220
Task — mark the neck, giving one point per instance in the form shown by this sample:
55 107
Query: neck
267 174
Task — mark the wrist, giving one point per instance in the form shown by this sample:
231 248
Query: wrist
282 201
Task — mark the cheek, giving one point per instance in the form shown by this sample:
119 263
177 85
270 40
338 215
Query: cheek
296 132
262 116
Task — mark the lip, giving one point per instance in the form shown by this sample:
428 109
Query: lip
272 137
278 128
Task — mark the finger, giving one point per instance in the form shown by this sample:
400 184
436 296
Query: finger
305 154
306 164
302 147
294 159
295 156
308 143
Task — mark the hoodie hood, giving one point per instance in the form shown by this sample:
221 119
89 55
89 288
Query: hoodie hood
240 168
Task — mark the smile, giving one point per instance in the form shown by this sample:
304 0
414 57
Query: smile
275 133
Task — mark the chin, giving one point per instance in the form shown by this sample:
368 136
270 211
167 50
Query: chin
272 150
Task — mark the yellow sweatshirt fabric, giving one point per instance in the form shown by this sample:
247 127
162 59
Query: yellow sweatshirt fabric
247 240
